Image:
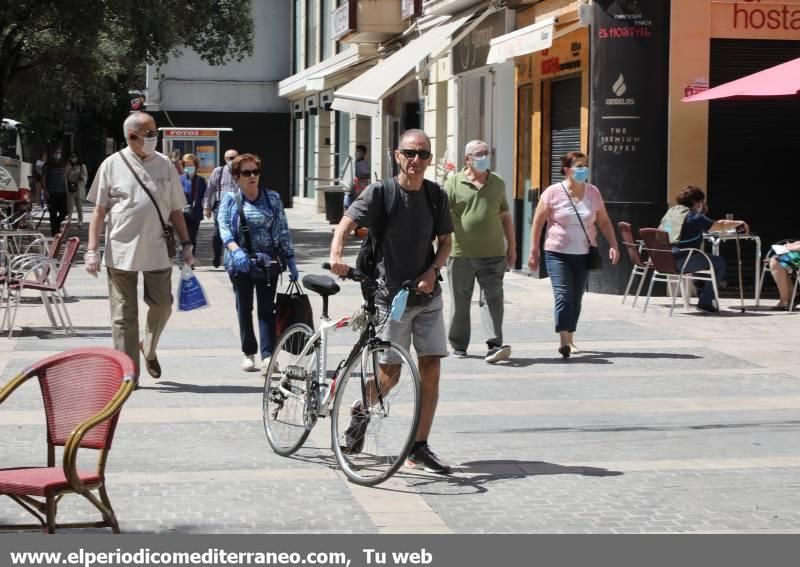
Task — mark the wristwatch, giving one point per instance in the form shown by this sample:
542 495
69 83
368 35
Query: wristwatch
437 272
185 242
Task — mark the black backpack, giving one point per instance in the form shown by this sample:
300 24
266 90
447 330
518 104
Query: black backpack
370 255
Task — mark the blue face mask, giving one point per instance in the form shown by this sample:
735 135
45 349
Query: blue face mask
580 174
481 163
190 169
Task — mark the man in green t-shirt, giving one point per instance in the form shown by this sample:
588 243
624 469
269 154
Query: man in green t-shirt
483 246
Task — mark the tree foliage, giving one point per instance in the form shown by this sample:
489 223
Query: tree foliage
56 54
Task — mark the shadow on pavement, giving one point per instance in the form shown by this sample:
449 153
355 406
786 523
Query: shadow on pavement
485 472
168 387
51 333
595 357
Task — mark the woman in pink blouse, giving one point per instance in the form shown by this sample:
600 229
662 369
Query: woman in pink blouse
566 246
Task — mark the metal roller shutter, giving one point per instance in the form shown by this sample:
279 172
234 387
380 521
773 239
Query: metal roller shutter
565 120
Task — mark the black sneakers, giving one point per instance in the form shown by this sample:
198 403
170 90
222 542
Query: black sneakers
354 434
423 457
707 308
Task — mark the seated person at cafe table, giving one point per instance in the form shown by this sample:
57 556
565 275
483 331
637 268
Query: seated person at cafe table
781 266
686 223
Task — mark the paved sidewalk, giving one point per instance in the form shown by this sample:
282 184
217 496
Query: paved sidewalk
662 424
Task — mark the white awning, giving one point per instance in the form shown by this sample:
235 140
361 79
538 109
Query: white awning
526 40
363 94
332 76
297 84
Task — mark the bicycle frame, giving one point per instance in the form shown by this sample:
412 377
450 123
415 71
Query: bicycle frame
326 326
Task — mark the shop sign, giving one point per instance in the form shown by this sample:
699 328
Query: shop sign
630 56
343 19
188 133
411 9
755 20
695 87
472 51
564 57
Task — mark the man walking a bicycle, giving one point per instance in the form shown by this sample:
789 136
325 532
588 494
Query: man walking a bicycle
411 213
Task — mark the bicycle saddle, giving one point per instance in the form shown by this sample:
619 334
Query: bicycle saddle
323 285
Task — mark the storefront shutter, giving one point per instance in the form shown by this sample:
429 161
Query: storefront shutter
565 117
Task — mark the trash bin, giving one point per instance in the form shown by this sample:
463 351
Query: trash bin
334 206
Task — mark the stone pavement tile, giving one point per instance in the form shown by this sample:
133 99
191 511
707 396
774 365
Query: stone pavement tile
677 424
308 506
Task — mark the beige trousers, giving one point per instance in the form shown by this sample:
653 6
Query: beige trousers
122 292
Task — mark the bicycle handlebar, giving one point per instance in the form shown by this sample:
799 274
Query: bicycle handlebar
358 276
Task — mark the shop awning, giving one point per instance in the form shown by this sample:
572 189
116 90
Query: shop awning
363 94
297 84
781 81
529 39
336 74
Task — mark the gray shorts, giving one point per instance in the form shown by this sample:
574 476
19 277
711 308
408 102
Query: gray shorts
423 324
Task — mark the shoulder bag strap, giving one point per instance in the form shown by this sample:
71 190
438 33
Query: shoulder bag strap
427 187
576 213
146 190
243 228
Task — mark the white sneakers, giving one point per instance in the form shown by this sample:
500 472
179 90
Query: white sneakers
249 363
276 368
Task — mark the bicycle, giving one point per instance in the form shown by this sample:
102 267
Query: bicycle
377 388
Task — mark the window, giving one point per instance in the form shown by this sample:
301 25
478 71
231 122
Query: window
297 48
339 44
326 7
311 155
296 157
343 145
312 26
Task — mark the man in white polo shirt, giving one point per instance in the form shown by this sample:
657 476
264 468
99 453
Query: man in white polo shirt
134 239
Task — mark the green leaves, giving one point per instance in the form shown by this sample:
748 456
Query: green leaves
55 54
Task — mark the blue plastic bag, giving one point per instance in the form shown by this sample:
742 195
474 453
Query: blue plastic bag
399 305
191 294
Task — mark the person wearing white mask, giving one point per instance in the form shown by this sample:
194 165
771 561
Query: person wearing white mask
194 188
221 181
137 194
574 212
483 247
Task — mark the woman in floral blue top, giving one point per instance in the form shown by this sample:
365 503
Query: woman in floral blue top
271 241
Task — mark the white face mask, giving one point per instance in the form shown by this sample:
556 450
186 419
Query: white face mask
149 145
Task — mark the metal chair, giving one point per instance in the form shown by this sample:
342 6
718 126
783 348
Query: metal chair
83 392
765 269
47 276
658 248
640 267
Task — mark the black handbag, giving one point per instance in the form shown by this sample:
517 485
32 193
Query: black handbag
594 261
292 306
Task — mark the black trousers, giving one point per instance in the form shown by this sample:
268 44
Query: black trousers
57 205
216 241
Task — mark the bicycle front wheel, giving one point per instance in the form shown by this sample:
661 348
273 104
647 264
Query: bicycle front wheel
375 413
285 385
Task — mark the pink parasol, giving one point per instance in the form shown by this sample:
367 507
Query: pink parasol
781 81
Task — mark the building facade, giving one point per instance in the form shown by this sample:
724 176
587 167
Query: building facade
538 78
186 92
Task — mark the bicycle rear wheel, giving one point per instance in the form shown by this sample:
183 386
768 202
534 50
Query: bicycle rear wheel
285 384
375 413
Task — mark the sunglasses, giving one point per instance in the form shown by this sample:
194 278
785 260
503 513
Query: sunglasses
411 154
250 172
